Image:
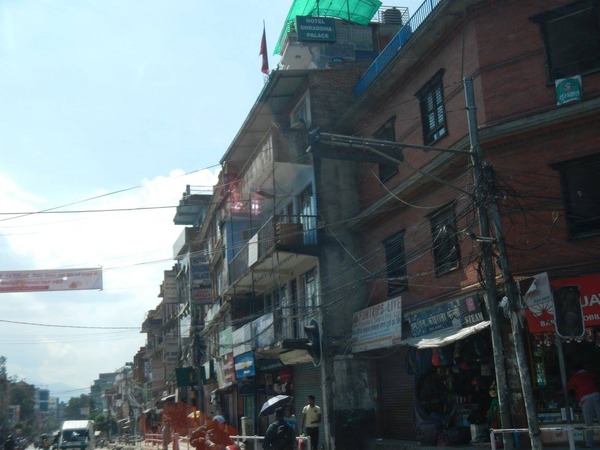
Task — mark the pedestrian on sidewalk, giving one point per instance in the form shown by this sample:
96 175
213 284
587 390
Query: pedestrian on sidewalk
311 419
583 384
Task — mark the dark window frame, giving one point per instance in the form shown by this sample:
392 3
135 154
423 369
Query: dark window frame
395 263
387 132
445 244
433 109
571 36
580 187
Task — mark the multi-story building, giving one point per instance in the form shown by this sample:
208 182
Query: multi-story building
104 381
451 161
271 248
430 263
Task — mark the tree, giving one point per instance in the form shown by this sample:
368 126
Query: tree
77 408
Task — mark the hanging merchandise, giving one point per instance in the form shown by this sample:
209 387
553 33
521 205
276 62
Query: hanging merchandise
435 358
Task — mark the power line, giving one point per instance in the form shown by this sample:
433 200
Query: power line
68 326
22 214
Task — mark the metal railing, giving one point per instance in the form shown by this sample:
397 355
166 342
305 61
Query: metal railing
268 237
569 428
183 443
394 46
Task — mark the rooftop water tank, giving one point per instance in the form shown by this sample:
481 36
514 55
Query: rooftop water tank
392 16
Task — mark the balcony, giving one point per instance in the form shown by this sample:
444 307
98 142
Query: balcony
185 241
279 246
278 332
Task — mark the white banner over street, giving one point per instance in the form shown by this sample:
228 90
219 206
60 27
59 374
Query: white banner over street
50 280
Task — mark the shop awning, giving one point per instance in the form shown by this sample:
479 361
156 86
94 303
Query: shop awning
444 337
168 398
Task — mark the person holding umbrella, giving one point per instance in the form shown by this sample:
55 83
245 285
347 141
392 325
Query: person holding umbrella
279 435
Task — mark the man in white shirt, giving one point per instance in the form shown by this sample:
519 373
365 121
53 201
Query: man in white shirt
311 418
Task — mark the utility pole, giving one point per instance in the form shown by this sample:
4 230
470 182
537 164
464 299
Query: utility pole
510 285
489 270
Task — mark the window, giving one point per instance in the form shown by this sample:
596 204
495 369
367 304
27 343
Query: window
572 38
309 281
395 261
580 186
446 251
300 116
388 133
433 112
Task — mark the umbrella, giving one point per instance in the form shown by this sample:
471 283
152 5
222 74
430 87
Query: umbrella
273 403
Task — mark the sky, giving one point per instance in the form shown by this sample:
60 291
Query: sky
108 110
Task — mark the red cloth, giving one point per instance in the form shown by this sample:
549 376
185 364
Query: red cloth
218 438
583 383
263 52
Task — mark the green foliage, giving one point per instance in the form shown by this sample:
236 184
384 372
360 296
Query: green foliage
75 408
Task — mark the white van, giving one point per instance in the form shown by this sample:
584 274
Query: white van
76 435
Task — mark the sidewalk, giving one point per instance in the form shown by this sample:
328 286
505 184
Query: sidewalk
391 444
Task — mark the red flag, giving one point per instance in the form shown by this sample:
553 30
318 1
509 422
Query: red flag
263 53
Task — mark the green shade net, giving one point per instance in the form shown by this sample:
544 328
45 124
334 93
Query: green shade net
356 11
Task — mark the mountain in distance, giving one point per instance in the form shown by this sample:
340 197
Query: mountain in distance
64 392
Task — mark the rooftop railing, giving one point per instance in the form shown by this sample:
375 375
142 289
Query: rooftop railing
395 45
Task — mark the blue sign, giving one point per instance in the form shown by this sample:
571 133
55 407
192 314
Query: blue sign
455 314
244 366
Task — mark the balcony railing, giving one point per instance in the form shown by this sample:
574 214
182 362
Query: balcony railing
395 45
282 232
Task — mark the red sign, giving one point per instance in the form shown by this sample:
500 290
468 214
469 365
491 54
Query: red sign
541 318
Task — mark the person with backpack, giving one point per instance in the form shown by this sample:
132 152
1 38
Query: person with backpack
279 435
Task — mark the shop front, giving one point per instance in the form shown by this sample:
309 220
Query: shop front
544 351
224 399
451 360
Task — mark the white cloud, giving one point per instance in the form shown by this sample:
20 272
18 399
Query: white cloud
134 248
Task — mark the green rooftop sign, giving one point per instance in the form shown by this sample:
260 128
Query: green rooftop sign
320 29
359 12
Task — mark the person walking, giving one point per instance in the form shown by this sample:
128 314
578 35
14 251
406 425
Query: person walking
279 435
583 384
166 435
311 419
290 418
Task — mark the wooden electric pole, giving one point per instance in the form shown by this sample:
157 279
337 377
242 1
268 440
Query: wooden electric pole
489 269
511 288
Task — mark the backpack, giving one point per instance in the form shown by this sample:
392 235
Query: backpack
285 438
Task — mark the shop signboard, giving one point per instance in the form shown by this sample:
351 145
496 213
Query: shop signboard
200 271
225 371
242 340
319 29
540 314
453 315
568 90
378 326
226 341
244 366
169 287
264 331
